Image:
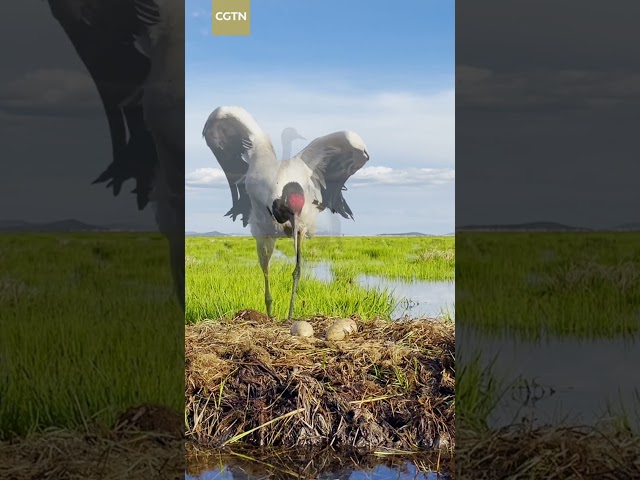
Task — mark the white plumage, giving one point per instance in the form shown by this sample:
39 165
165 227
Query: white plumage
281 197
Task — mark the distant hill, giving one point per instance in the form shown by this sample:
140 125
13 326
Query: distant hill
548 227
408 234
205 234
526 227
131 227
68 225
632 226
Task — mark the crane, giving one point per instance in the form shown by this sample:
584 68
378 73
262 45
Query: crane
281 198
134 52
289 135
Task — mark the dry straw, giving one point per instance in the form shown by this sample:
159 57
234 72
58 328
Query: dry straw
390 385
551 453
146 443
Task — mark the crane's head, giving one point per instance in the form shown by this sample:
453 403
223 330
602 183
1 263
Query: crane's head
290 134
293 197
288 208
290 204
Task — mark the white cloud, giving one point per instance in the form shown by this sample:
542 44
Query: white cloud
403 128
212 177
414 177
206 178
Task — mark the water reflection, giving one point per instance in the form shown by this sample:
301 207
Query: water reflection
559 381
407 472
322 271
416 299
328 464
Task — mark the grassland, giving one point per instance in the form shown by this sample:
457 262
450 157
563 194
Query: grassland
537 284
89 327
532 286
223 275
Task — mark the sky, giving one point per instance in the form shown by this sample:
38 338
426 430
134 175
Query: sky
54 135
547 125
325 66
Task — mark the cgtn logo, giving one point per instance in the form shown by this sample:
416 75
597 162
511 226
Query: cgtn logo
231 17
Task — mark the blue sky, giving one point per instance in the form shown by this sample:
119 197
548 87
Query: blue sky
323 66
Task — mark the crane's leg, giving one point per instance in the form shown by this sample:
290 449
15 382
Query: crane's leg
169 208
265 246
296 273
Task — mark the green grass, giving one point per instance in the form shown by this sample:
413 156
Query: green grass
537 284
478 392
89 327
223 275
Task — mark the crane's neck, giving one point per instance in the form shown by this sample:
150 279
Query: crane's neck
286 149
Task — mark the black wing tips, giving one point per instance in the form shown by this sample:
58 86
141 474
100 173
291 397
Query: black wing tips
338 171
229 157
108 36
339 205
241 204
137 161
335 202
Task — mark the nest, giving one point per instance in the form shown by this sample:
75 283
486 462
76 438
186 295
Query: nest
390 385
144 444
519 452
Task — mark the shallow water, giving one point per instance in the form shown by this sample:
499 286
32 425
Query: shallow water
559 381
409 472
416 299
246 462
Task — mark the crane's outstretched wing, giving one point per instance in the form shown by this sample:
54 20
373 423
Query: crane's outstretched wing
104 36
234 137
333 159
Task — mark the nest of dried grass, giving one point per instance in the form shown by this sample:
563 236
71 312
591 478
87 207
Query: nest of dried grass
551 453
147 441
310 463
390 385
123 452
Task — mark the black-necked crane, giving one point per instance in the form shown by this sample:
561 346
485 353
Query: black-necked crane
279 198
134 51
